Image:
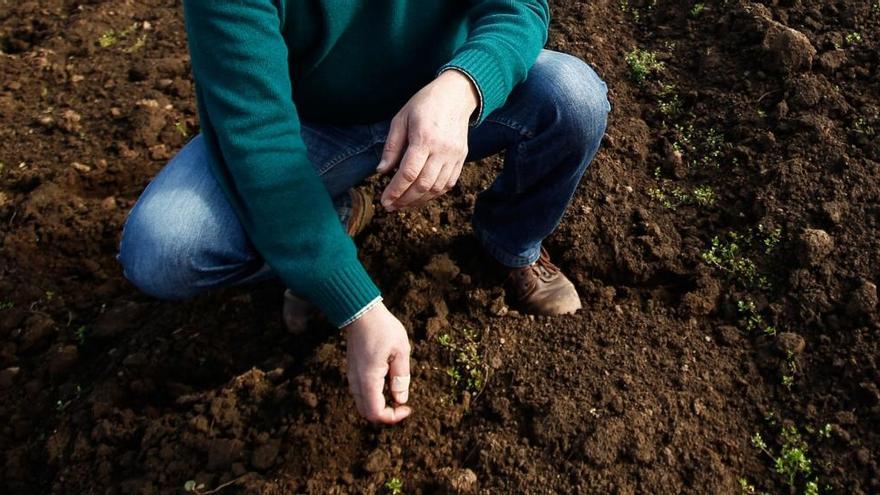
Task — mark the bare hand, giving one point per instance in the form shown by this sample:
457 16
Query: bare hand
378 352
428 140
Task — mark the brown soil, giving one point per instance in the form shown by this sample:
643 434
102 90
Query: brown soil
657 386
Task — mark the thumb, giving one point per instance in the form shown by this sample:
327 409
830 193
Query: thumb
395 144
399 376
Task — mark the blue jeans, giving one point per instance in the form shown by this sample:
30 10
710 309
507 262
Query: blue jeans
182 237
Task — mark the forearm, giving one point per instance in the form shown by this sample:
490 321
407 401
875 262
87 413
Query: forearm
240 66
504 42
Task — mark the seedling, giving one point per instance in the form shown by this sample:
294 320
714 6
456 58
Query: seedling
394 486
467 372
181 128
752 319
745 487
669 103
728 256
792 461
4 305
643 64
862 127
192 487
81 334
110 37
698 9
853 39
107 39
704 196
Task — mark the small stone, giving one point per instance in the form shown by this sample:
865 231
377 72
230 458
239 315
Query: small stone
790 344
108 203
264 456
37 329
222 452
7 377
80 167
498 307
787 50
121 317
63 360
442 268
863 300
816 245
459 481
832 60
238 469
377 462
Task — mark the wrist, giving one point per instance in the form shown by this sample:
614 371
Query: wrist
370 308
464 85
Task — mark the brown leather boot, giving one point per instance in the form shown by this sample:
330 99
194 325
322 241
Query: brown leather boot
298 312
542 289
361 212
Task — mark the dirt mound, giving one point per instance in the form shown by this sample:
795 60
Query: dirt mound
724 243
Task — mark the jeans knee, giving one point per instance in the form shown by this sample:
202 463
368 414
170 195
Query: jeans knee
157 256
578 95
150 265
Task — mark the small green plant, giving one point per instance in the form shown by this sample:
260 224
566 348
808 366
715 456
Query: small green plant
394 486
745 487
192 487
643 64
787 381
467 372
181 128
853 39
704 196
792 461
875 7
698 9
4 305
862 127
668 102
81 334
728 256
825 431
769 237
674 197
753 320
108 38
111 37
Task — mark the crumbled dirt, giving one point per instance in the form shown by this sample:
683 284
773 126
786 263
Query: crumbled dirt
656 386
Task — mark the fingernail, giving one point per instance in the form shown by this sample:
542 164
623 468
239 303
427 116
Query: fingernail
401 397
381 166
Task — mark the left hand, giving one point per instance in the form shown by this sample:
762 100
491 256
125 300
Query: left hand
428 141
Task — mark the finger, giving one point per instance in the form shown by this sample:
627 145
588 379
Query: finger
422 188
453 180
410 168
398 373
441 186
375 408
395 144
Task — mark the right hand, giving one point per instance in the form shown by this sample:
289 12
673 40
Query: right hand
378 350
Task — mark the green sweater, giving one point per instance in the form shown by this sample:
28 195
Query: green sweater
260 66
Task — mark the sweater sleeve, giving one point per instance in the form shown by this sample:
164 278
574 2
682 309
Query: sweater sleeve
504 41
250 123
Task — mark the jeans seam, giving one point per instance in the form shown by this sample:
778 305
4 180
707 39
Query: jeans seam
524 132
342 157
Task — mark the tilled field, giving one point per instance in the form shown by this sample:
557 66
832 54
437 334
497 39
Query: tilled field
724 242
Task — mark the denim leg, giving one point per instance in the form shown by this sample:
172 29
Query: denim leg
551 128
183 237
